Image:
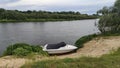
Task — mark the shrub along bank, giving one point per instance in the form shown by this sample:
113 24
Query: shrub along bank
23 49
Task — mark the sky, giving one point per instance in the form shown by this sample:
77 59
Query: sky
83 6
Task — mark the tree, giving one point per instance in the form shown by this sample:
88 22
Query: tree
104 10
16 15
117 6
110 21
2 10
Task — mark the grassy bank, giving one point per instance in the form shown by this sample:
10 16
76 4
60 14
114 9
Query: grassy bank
106 61
39 20
79 43
32 20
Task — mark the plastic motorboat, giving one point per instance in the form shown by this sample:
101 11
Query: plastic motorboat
59 48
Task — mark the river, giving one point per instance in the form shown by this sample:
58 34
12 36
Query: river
41 33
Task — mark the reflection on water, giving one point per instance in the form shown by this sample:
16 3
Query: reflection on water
48 32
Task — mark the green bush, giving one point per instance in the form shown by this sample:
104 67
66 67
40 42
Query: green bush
23 49
11 48
79 43
109 24
21 52
39 50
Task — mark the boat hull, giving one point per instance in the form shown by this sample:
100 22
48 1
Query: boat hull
59 52
66 49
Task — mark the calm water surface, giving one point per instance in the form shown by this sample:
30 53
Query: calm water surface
44 32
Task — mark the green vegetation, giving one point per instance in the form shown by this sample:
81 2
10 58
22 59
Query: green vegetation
106 61
22 49
110 20
36 16
79 43
109 24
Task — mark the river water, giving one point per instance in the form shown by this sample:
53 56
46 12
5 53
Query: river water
41 33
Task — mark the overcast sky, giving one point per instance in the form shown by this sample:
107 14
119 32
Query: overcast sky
83 6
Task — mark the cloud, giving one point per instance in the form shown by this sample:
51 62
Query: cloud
59 2
84 6
7 1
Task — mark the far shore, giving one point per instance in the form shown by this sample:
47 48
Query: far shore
40 20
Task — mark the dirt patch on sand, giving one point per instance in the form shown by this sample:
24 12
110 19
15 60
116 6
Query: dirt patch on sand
94 48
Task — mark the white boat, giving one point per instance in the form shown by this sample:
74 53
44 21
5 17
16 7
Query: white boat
62 49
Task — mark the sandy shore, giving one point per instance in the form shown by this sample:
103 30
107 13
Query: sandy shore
94 48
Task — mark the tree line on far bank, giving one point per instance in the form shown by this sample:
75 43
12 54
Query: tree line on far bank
16 15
